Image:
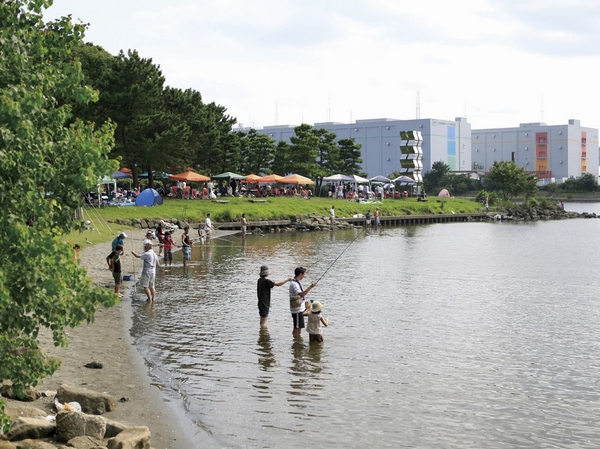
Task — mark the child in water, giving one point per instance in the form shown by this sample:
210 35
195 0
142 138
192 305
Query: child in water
314 322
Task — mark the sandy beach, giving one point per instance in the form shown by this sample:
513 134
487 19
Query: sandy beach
124 374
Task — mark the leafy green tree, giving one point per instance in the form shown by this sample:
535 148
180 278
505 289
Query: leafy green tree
507 178
304 151
257 151
585 183
47 161
529 187
281 161
328 156
432 179
350 161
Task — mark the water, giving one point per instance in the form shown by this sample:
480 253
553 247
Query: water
463 335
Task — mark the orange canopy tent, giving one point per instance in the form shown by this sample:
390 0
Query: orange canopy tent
252 178
296 179
270 178
189 176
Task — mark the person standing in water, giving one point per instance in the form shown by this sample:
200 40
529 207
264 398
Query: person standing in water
186 245
244 224
315 319
151 261
299 306
208 228
263 291
331 215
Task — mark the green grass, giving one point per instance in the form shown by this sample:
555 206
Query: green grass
104 228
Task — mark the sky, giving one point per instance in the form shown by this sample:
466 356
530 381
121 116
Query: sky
286 62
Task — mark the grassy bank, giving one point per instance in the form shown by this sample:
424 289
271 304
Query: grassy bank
195 211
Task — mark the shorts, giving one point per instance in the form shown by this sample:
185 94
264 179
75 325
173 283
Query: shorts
118 278
368 221
298 319
263 311
377 221
168 256
315 337
147 280
187 253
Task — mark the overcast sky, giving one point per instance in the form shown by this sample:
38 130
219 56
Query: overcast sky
499 62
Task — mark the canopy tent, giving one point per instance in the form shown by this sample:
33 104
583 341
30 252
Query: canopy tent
125 170
404 180
296 179
379 178
444 192
227 176
189 176
252 178
270 178
338 178
359 179
148 197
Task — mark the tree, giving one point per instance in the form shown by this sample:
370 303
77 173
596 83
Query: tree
281 161
304 151
432 179
48 162
328 156
507 178
350 161
257 151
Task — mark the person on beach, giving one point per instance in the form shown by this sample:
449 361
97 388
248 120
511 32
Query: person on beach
119 240
315 319
186 245
299 306
114 265
208 227
151 261
263 292
244 224
377 222
332 215
168 248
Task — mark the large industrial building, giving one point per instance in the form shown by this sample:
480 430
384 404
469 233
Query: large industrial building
554 152
443 140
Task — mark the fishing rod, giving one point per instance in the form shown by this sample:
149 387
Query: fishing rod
340 255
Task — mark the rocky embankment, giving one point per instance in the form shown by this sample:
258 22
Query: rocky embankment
533 213
69 417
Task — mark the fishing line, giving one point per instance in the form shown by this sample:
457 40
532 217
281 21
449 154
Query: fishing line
336 259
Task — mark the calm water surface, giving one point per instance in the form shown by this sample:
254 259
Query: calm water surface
466 335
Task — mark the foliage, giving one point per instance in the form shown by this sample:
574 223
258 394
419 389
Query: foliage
432 179
257 152
492 197
304 151
585 183
511 180
47 160
350 161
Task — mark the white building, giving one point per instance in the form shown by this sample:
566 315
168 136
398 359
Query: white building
554 152
443 140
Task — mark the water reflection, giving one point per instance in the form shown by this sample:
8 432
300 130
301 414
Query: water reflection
266 358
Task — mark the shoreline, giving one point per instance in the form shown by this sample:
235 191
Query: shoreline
124 373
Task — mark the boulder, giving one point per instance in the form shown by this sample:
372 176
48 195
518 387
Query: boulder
29 394
15 412
113 428
90 401
7 445
34 444
86 443
131 438
25 428
75 424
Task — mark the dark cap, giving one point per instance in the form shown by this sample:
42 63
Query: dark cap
299 270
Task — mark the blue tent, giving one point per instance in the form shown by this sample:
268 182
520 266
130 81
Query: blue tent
148 197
